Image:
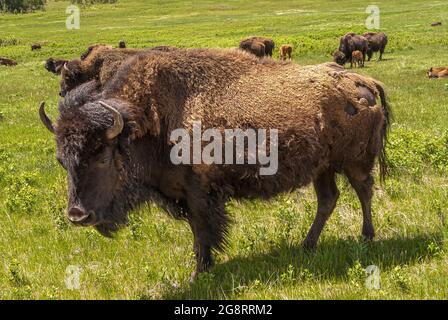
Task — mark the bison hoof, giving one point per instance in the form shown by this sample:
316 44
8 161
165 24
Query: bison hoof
368 234
309 244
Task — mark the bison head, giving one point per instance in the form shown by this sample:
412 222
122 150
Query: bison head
91 147
339 57
71 76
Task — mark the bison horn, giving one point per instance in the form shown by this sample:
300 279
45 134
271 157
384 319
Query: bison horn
66 68
44 118
118 125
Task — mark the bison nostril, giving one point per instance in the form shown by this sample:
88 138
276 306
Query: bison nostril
76 214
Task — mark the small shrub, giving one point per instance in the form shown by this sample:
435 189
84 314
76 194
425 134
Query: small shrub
21 194
356 274
289 275
399 279
21 6
16 275
9 41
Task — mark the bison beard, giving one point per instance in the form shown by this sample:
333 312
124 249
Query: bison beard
113 141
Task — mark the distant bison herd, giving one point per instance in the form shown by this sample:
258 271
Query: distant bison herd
351 47
364 45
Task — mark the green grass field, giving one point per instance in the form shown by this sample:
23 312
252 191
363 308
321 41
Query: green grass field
152 258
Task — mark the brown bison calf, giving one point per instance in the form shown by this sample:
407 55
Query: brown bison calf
441 72
357 59
36 46
285 50
122 44
55 65
7 62
377 42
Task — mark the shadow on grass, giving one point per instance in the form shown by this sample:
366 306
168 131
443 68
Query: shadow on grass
330 261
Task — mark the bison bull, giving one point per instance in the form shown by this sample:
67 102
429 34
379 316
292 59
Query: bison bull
114 142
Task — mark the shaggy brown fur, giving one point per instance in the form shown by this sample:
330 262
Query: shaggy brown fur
357 59
285 51
268 43
55 65
7 62
351 42
36 46
328 122
377 42
441 72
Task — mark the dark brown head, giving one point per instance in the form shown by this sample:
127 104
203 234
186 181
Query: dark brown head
122 44
71 76
90 146
55 65
339 57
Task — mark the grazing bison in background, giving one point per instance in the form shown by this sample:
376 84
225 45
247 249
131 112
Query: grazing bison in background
257 48
7 62
357 59
55 65
377 42
268 43
99 62
351 42
36 46
440 72
115 145
285 51
122 44
436 24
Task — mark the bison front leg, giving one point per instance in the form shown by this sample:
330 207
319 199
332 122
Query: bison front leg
209 224
327 195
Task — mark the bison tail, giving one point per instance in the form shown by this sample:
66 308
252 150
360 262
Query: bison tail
382 158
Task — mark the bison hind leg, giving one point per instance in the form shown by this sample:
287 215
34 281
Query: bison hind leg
362 181
327 195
